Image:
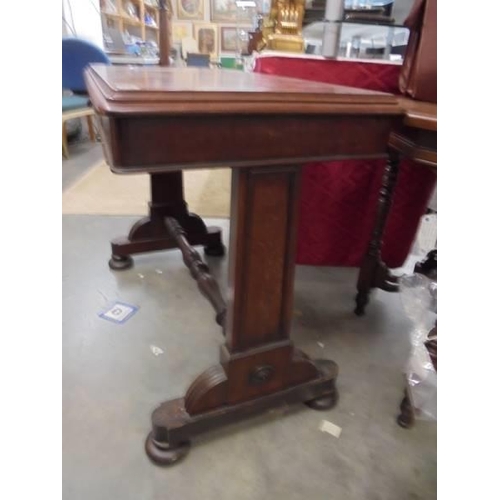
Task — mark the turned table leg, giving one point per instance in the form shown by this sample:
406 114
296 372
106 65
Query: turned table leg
150 234
259 367
374 273
406 418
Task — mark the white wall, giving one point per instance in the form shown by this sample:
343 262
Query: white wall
84 20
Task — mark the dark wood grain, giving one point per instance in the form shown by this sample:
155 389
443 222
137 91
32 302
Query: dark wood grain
199 270
374 273
260 269
418 145
418 114
149 234
163 117
173 425
123 91
164 144
416 136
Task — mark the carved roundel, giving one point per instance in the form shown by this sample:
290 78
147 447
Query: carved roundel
261 374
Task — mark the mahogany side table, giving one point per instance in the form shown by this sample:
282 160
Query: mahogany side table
156 120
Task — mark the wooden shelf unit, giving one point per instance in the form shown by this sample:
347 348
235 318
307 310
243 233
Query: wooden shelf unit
123 21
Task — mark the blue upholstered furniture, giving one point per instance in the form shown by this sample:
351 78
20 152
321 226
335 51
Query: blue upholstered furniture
76 55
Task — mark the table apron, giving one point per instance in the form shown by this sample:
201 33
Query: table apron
161 144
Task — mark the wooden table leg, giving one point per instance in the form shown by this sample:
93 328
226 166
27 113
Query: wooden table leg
259 367
374 273
90 126
65 141
150 234
406 418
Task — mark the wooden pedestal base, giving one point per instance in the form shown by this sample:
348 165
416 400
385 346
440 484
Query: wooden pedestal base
259 367
173 426
147 235
150 234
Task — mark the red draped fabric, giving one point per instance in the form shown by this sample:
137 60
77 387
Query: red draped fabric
339 199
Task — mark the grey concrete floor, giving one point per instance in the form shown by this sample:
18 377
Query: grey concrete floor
83 154
112 381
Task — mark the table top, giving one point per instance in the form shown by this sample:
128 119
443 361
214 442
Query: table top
416 139
419 114
118 90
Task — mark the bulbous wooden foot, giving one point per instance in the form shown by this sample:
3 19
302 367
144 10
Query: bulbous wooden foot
162 454
406 418
405 421
361 302
324 402
120 263
214 246
217 250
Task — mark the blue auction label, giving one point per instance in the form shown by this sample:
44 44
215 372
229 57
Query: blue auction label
119 312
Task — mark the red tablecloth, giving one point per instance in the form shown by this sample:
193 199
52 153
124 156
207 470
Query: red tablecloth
339 199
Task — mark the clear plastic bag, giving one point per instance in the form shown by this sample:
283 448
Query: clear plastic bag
419 297
421 378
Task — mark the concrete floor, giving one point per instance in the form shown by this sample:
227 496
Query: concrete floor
112 381
83 154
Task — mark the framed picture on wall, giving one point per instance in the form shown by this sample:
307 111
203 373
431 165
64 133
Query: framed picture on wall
230 36
206 39
190 10
228 39
181 30
227 11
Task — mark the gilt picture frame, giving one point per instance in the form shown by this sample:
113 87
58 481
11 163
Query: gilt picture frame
229 41
206 38
190 10
224 11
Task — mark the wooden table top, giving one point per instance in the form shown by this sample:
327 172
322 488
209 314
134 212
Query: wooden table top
419 114
117 90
